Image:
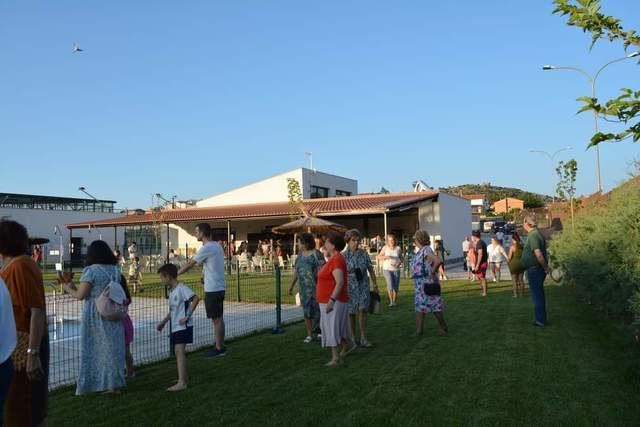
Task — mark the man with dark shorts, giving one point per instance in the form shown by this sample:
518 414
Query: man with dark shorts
211 256
480 269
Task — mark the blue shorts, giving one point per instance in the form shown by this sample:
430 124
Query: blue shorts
184 336
393 279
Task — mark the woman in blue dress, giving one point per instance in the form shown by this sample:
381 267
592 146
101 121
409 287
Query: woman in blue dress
102 348
308 262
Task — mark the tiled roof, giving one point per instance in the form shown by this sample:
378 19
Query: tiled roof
370 203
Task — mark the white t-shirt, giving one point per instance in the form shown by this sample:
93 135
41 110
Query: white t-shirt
211 256
179 301
465 246
7 324
495 253
394 263
133 250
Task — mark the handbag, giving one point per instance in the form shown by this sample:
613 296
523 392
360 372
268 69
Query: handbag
374 303
359 274
431 286
106 306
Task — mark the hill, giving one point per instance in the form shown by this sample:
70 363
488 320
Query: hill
495 193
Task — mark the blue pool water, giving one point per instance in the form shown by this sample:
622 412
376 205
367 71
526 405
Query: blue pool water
63 328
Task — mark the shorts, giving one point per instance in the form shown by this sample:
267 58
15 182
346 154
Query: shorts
481 273
213 303
184 336
393 279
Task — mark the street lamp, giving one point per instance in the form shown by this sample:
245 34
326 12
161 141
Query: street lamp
592 81
173 200
552 158
84 190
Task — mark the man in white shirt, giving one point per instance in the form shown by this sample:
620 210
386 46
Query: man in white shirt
133 251
465 251
211 256
7 343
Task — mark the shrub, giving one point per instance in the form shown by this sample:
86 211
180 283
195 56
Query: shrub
602 256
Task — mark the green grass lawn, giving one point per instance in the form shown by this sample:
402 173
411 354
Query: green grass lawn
493 368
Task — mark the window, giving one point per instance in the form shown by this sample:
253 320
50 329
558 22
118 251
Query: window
319 192
342 193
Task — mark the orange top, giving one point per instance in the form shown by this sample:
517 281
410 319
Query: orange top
326 282
24 281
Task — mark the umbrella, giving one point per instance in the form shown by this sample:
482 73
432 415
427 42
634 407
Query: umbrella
309 224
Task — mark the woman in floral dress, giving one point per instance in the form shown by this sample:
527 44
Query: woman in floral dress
424 268
308 262
358 265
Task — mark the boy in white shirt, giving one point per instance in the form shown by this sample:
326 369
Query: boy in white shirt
182 303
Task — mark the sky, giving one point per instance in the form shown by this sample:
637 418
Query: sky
196 98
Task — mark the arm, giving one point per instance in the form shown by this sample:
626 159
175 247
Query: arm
338 276
511 252
479 259
188 266
192 307
372 273
294 281
36 332
541 260
78 293
163 322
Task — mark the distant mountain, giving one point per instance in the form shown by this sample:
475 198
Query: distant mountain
495 193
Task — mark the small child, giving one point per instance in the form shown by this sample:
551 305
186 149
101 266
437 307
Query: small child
135 275
182 304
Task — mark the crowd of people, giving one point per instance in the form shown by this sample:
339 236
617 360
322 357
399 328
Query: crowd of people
334 276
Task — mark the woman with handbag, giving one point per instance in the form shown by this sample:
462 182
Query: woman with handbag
27 401
424 268
358 265
102 342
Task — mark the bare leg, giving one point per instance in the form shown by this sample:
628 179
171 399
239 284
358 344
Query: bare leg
419 323
335 357
181 360
364 315
390 293
443 324
499 270
129 361
218 329
352 319
308 323
516 285
483 285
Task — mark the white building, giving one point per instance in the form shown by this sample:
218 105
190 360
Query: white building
314 185
46 217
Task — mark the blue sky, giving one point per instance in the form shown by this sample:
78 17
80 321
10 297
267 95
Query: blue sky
194 100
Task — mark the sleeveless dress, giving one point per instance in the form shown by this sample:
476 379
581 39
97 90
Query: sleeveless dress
515 265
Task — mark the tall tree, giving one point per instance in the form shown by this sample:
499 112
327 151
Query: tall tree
624 109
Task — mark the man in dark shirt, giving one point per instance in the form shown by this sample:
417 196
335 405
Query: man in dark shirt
480 268
535 260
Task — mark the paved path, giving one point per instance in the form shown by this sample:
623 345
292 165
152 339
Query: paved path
149 345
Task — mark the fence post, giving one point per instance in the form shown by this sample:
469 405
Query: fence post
238 281
278 328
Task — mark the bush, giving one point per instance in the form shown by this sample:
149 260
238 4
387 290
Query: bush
602 256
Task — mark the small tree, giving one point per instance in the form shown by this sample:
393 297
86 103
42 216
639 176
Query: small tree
567 173
295 197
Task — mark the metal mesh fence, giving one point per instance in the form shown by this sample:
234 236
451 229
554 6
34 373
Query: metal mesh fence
251 305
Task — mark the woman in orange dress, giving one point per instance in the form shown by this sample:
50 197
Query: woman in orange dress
27 399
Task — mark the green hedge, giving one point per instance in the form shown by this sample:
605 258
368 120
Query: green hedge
602 256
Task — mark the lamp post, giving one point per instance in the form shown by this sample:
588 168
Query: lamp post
552 158
592 80
84 190
173 200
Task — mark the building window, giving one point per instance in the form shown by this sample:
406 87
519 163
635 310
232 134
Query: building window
319 192
342 193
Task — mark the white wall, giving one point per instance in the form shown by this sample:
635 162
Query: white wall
455 222
332 182
41 223
272 189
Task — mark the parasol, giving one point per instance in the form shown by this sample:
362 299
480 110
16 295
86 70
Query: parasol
309 224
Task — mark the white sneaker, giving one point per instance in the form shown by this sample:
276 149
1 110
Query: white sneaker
307 340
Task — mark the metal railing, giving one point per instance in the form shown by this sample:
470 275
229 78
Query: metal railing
253 302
